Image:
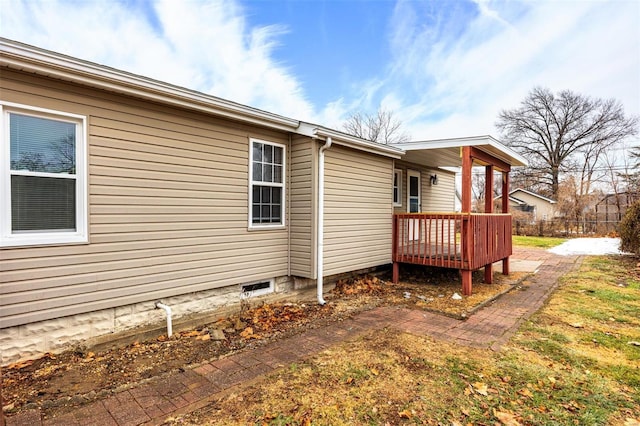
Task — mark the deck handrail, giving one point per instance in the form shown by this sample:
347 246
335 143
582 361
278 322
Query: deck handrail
451 239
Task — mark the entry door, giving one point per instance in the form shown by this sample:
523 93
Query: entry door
413 203
413 191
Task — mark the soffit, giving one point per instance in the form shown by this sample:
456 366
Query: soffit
447 152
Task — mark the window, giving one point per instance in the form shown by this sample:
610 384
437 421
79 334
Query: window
42 176
397 187
266 192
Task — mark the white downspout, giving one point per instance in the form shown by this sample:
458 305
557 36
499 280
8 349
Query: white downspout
320 227
167 309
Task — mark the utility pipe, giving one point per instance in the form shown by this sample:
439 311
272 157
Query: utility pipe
167 309
320 227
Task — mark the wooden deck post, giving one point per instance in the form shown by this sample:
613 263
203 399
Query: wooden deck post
466 282
488 208
505 209
395 276
467 242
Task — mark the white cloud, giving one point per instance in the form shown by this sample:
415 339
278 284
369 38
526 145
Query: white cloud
460 85
452 68
202 45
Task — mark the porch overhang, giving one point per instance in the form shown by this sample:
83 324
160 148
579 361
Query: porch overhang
484 238
448 152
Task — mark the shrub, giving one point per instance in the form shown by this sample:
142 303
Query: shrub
630 230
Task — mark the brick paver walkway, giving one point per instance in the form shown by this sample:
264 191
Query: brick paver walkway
179 393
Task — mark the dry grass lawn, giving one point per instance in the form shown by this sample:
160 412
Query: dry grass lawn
577 361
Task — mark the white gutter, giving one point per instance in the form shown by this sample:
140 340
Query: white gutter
167 309
356 143
320 216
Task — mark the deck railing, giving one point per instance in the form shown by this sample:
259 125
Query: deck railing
451 240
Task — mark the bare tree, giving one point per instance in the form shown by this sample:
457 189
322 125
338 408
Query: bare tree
562 133
631 176
381 127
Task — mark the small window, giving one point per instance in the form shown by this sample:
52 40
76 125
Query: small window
397 188
266 192
256 289
43 177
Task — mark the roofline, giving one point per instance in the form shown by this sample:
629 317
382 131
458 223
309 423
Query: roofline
28 58
357 143
476 141
514 199
533 194
24 57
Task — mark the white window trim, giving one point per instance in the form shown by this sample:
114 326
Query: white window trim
80 235
398 172
258 226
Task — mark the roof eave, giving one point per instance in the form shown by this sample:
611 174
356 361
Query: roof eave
357 143
39 61
504 153
533 194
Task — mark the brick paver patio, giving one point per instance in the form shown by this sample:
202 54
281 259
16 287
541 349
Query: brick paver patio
183 392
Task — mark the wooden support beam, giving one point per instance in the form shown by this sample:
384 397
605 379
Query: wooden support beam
467 242
396 273
505 192
488 190
489 159
467 163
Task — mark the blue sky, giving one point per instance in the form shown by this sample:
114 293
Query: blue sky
446 68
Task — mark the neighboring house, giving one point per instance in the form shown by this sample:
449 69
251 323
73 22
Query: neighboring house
613 206
119 191
536 206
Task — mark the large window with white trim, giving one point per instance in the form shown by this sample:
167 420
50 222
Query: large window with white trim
267 177
43 171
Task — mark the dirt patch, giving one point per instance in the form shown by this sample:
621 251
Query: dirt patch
55 382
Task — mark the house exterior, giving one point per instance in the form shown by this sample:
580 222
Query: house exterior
119 191
612 207
536 206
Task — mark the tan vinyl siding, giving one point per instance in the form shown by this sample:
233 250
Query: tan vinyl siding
438 198
544 209
303 204
168 209
358 207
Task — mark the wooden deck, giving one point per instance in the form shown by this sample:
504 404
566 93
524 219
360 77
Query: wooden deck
430 254
465 241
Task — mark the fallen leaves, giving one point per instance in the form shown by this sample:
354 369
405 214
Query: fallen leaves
507 418
406 414
525 393
204 337
481 388
360 285
27 363
247 333
20 365
270 316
